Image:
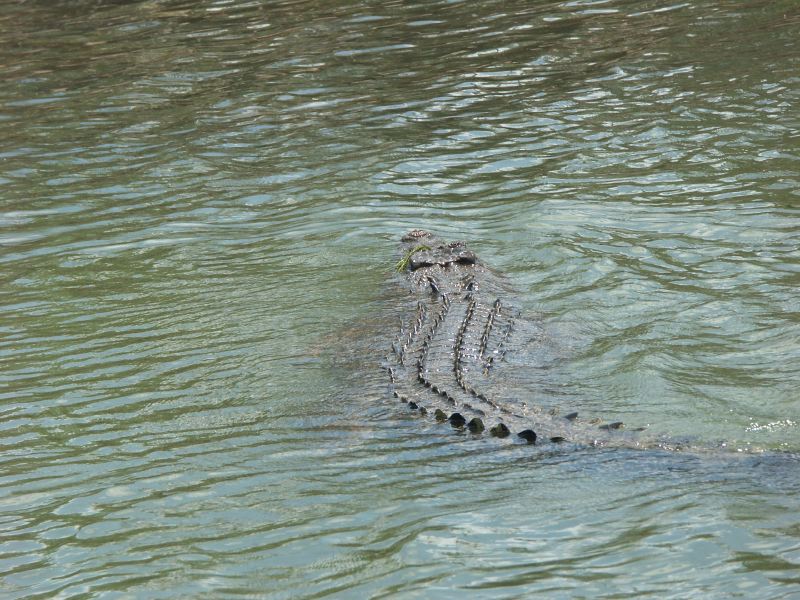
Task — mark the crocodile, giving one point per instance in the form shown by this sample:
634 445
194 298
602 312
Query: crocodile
445 360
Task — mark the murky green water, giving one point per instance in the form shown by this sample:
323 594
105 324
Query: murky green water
199 209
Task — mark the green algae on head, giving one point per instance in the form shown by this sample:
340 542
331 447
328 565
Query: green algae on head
402 264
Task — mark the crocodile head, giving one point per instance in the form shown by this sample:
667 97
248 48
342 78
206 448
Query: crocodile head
442 266
424 250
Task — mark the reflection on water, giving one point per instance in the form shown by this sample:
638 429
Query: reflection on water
199 209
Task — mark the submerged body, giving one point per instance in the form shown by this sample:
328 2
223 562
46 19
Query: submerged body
447 360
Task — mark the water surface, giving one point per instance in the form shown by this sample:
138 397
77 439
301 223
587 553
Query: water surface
200 204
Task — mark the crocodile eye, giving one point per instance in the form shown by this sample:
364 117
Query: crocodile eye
467 258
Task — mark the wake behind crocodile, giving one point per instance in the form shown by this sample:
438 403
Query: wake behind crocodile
448 358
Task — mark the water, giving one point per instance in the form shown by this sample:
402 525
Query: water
199 209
